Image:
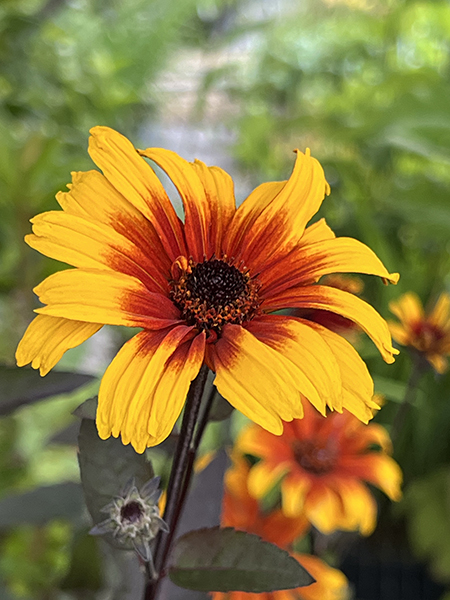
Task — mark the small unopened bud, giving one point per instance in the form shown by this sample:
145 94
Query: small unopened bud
133 517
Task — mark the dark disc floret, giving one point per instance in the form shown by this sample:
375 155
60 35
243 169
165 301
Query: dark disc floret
313 458
213 293
131 512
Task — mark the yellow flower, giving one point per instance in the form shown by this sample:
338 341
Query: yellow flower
202 291
241 511
428 334
322 465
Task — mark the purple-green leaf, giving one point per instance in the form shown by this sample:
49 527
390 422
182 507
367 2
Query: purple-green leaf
224 560
19 386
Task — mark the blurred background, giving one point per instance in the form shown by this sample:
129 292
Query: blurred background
238 83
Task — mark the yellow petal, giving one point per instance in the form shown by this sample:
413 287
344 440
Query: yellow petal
294 492
440 315
323 509
359 509
136 181
255 379
104 297
341 303
144 388
317 373
408 308
82 243
262 478
219 192
399 333
378 469
306 264
340 255
356 380
280 225
47 338
438 362
317 232
331 584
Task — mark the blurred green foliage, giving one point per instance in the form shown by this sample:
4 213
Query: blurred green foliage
364 83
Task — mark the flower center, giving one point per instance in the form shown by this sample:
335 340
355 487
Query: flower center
314 459
427 336
213 293
131 512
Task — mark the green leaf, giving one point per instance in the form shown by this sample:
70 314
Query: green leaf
19 386
64 500
105 467
223 560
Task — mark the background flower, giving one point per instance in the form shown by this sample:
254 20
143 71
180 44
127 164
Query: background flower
321 465
429 334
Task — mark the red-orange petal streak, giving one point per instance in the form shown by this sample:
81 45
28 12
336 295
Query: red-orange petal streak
92 197
308 263
197 215
246 215
280 226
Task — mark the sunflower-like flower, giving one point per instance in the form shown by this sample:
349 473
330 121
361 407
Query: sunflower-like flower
202 291
428 334
321 465
242 511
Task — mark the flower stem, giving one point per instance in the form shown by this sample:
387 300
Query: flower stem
193 451
178 481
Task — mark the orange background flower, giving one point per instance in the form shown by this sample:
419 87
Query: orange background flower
321 465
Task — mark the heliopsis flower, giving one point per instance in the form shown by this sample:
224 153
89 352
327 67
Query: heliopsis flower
202 290
428 334
321 465
241 511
